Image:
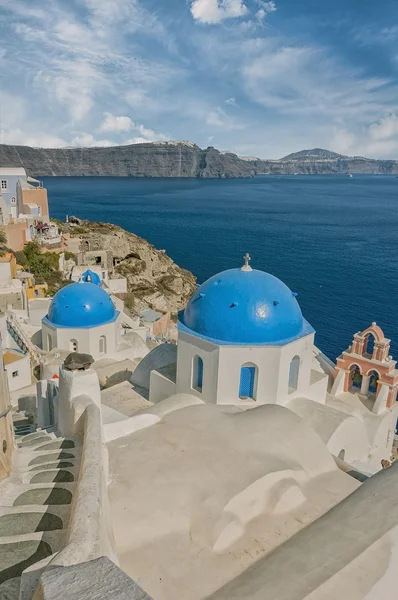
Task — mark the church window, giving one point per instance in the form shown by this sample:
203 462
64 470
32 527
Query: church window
49 343
356 377
294 374
15 373
102 344
13 200
373 382
197 374
247 381
369 344
4 186
73 345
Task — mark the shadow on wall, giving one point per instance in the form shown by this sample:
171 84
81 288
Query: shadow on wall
116 378
37 339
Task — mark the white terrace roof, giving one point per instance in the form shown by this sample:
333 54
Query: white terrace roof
18 171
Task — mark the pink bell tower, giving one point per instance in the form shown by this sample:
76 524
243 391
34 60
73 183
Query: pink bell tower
367 368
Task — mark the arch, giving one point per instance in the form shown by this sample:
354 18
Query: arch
374 381
197 373
294 373
368 347
248 381
73 345
376 331
341 454
102 345
49 342
355 376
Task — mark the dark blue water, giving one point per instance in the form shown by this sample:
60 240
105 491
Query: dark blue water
330 238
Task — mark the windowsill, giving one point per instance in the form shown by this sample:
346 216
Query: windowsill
197 389
246 399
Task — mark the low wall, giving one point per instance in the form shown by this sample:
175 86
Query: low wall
90 534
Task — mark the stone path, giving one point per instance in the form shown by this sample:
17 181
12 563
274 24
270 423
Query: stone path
35 503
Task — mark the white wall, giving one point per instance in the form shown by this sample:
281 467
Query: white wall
160 387
222 368
87 338
5 273
118 286
187 348
23 378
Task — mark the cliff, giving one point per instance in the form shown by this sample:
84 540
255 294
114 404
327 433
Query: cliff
180 159
153 278
318 161
162 159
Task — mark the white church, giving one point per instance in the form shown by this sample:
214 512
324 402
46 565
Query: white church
223 454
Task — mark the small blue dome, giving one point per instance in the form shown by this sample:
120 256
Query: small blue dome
81 305
244 307
90 276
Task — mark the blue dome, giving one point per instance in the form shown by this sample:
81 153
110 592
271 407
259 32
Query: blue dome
81 305
244 307
90 276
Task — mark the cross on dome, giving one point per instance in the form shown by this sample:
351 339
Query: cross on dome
246 266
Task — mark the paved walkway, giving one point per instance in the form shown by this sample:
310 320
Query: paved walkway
35 503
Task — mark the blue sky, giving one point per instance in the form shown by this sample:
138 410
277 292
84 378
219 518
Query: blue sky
261 78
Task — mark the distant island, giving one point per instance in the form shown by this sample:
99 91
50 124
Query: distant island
182 159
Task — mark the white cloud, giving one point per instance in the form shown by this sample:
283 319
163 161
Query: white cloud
112 123
86 140
38 139
379 139
385 128
219 118
216 11
231 102
120 124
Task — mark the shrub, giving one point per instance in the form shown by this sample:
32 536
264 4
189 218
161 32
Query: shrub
21 258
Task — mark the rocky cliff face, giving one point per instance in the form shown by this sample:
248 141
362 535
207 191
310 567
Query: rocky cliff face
163 159
318 161
180 159
153 278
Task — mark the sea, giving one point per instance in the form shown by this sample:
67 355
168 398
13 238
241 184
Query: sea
332 239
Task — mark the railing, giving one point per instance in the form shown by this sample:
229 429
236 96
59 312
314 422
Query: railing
22 340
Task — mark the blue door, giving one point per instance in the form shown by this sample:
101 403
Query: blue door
247 376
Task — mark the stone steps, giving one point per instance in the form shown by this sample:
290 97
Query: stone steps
35 505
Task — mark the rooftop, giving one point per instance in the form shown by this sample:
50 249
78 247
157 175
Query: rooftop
11 356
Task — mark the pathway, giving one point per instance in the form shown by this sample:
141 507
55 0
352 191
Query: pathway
35 503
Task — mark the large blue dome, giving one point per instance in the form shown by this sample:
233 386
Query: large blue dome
244 307
81 305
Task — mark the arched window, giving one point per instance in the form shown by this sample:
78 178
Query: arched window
73 345
197 373
373 381
49 342
294 374
369 344
102 344
247 382
356 377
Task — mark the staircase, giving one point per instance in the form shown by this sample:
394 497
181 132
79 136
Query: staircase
35 504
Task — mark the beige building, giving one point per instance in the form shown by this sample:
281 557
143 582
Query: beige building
23 205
